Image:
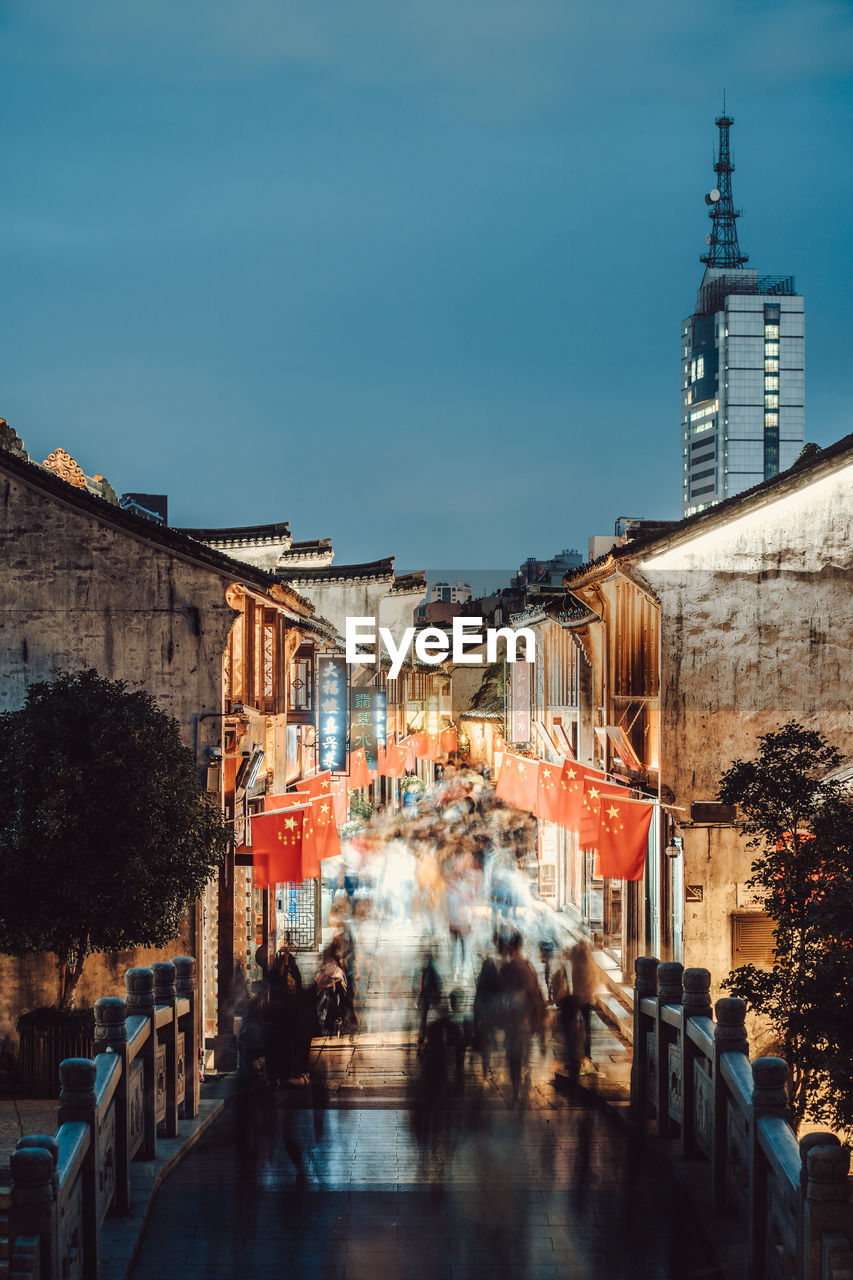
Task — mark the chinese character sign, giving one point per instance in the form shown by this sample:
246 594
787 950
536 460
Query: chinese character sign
432 716
362 732
332 713
379 715
520 702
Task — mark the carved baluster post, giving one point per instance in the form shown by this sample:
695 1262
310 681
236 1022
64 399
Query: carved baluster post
729 1037
34 1211
769 1098
669 992
185 986
78 1103
111 1037
165 994
824 1205
140 1001
695 1003
645 987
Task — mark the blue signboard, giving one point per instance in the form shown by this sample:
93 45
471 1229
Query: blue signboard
332 708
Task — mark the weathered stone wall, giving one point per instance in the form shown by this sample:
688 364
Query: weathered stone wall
81 592
756 623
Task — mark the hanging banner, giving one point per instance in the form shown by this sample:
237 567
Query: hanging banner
363 735
432 716
332 718
521 703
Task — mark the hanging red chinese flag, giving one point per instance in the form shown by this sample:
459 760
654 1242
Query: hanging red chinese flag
320 836
433 751
517 783
394 762
359 774
623 838
419 743
551 799
571 789
449 741
319 785
276 847
286 801
594 793
340 799
410 753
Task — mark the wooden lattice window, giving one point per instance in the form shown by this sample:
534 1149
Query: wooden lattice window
300 691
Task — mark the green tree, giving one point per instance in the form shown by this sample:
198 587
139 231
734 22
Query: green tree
106 836
799 823
492 686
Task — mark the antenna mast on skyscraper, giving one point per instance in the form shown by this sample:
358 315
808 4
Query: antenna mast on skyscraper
723 248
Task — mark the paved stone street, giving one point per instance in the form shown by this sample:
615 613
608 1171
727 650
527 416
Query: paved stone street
551 1188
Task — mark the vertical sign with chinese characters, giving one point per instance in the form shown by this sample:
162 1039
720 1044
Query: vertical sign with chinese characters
362 732
332 713
379 715
432 716
520 703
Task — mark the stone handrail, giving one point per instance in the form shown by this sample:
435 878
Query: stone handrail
691 1076
142 1077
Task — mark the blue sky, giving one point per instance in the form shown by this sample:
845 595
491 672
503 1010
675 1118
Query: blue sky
410 276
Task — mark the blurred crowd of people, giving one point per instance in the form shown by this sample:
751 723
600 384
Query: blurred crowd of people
501 979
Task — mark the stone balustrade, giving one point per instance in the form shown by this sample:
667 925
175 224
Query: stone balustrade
692 1078
143 1077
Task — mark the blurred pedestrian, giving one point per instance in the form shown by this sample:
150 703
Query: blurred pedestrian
585 979
429 994
488 998
523 1010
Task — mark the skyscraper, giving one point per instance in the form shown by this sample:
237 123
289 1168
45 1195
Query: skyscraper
741 363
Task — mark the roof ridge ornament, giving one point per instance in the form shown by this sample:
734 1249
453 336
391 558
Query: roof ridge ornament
63 465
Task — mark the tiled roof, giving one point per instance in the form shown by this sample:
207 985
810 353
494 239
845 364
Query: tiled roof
493 710
375 570
243 533
408 583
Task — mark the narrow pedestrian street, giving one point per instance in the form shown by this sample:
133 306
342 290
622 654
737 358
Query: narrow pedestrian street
545 1188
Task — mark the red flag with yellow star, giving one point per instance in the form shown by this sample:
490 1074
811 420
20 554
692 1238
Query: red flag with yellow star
517 781
359 774
286 801
393 764
449 741
623 838
320 836
276 847
571 785
594 793
419 743
551 797
340 799
319 785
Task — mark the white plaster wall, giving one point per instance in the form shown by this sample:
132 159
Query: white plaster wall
337 601
756 626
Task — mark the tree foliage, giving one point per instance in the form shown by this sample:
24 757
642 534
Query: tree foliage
106 836
799 823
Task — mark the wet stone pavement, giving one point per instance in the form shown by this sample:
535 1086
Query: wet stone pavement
550 1187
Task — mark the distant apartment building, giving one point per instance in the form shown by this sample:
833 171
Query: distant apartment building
150 506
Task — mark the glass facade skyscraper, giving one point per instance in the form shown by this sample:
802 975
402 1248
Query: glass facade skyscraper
742 367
